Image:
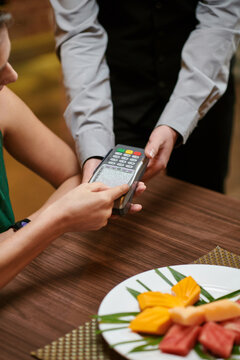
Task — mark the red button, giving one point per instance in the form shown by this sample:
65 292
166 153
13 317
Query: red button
137 153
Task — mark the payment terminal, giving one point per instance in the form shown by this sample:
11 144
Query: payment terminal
122 165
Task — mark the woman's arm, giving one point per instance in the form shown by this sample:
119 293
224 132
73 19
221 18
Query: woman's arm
87 207
72 207
32 143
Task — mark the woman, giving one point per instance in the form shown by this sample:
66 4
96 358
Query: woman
72 207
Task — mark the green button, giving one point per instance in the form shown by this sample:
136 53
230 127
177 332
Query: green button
121 150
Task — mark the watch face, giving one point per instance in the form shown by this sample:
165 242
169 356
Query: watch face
19 224
24 222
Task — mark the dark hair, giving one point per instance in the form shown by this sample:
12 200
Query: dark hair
5 18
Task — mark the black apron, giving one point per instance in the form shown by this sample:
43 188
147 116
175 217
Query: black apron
145 40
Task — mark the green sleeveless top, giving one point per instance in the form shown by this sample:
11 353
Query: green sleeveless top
6 212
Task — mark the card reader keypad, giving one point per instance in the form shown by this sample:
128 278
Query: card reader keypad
124 158
122 165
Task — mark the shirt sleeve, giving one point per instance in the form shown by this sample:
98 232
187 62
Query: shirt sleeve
205 66
81 44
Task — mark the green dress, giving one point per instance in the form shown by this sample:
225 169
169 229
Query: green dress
6 212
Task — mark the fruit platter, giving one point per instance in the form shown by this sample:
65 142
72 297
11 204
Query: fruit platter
179 312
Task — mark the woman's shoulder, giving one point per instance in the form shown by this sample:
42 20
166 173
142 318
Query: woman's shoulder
10 105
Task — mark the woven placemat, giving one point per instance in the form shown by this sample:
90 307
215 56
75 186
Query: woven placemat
80 344
84 344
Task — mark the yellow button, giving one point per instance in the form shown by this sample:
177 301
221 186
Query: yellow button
128 151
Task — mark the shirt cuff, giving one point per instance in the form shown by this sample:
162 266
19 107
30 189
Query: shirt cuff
93 143
180 116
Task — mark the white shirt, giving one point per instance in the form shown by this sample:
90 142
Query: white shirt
81 43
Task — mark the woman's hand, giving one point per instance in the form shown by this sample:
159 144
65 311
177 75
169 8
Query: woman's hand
87 207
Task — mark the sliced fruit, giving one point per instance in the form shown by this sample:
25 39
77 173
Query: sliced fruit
189 316
221 310
152 320
216 339
156 298
188 290
179 339
233 325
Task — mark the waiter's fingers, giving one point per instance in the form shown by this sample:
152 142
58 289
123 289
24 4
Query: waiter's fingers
134 208
141 187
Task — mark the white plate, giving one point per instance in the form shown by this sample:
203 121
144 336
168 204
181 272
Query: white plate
217 280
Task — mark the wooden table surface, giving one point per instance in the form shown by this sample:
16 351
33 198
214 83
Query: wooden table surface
64 286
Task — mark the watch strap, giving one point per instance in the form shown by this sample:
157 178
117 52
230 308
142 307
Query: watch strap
19 224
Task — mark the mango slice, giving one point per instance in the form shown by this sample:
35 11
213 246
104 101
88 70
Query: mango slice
152 320
156 298
221 310
187 290
189 316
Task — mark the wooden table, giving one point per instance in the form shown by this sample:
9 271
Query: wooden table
64 286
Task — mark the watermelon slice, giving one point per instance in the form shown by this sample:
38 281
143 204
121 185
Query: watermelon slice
216 339
179 339
233 325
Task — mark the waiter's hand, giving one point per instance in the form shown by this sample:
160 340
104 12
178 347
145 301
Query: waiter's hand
159 149
141 187
134 208
88 169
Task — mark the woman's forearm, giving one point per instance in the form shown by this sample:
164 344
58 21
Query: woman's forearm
86 207
23 246
20 248
68 185
63 189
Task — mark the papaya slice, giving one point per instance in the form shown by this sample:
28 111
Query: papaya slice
187 290
156 298
152 321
